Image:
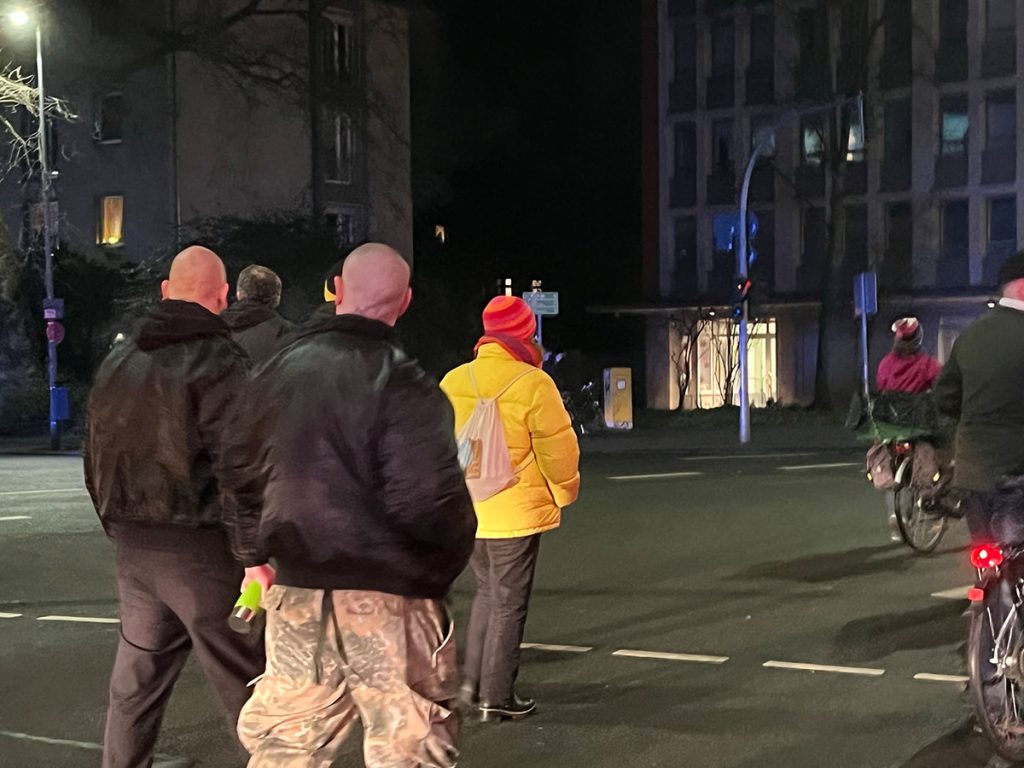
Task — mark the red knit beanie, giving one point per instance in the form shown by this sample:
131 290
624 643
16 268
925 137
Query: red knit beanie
509 316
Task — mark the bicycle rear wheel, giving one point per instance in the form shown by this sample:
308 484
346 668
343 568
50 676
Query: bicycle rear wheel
921 529
998 699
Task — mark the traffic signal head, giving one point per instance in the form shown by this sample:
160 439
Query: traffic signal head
740 294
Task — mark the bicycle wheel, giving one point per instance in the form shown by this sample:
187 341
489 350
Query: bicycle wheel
921 529
999 700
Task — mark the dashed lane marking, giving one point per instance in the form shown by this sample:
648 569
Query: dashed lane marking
834 465
740 456
691 657
930 678
11 518
958 593
81 619
159 761
658 476
10 615
42 492
557 648
866 671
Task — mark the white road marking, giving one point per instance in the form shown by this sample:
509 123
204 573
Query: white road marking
835 465
929 677
959 593
81 619
659 476
9 615
866 671
42 492
160 761
694 657
9 518
739 456
557 648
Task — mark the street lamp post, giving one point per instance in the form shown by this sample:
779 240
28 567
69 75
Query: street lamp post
21 18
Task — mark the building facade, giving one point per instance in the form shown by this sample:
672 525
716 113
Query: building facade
919 179
190 110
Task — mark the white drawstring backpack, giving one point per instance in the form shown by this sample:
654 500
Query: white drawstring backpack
483 449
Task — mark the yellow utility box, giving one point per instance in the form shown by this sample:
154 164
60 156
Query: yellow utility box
618 398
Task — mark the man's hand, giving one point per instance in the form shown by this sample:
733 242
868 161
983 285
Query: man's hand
262 574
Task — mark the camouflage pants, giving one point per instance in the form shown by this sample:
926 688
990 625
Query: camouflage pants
336 656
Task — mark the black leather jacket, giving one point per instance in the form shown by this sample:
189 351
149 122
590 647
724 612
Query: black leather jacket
155 426
257 328
353 448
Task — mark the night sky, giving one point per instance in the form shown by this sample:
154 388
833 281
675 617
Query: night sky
526 146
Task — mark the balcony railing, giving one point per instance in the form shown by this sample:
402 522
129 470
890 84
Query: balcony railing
896 173
810 181
682 189
951 64
856 182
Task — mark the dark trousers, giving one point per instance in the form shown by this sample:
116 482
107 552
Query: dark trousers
976 507
504 578
173 600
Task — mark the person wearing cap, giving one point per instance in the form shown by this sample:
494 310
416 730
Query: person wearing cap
907 368
981 389
543 446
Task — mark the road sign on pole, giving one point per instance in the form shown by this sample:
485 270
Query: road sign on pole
865 304
542 302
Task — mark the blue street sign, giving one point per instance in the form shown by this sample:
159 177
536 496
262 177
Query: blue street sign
60 405
726 228
865 294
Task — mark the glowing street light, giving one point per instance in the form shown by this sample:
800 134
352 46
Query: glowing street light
19 17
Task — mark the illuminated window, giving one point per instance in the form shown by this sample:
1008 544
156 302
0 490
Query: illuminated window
812 147
111 229
338 146
441 233
338 48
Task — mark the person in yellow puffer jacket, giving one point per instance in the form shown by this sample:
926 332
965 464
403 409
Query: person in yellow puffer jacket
544 451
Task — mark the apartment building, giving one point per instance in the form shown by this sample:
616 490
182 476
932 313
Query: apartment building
190 109
930 177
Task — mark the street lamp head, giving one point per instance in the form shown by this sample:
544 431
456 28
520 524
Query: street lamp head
19 17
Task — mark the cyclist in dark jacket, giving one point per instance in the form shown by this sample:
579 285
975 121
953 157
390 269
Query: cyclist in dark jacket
981 389
153 460
368 521
254 320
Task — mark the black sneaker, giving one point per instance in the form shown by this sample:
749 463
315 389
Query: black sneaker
516 709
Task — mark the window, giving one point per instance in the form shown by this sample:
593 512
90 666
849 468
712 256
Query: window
1002 236
952 24
685 149
684 52
762 126
110 118
338 59
813 142
898 135
954 125
1002 221
723 47
721 146
337 141
349 224
954 265
1000 17
1001 120
111 228
762 39
898 267
854 135
897 20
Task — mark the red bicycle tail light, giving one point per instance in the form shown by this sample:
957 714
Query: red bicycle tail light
903 448
986 556
975 594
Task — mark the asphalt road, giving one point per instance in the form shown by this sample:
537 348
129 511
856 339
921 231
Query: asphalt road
730 571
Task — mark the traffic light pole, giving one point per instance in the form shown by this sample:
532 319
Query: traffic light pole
742 268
